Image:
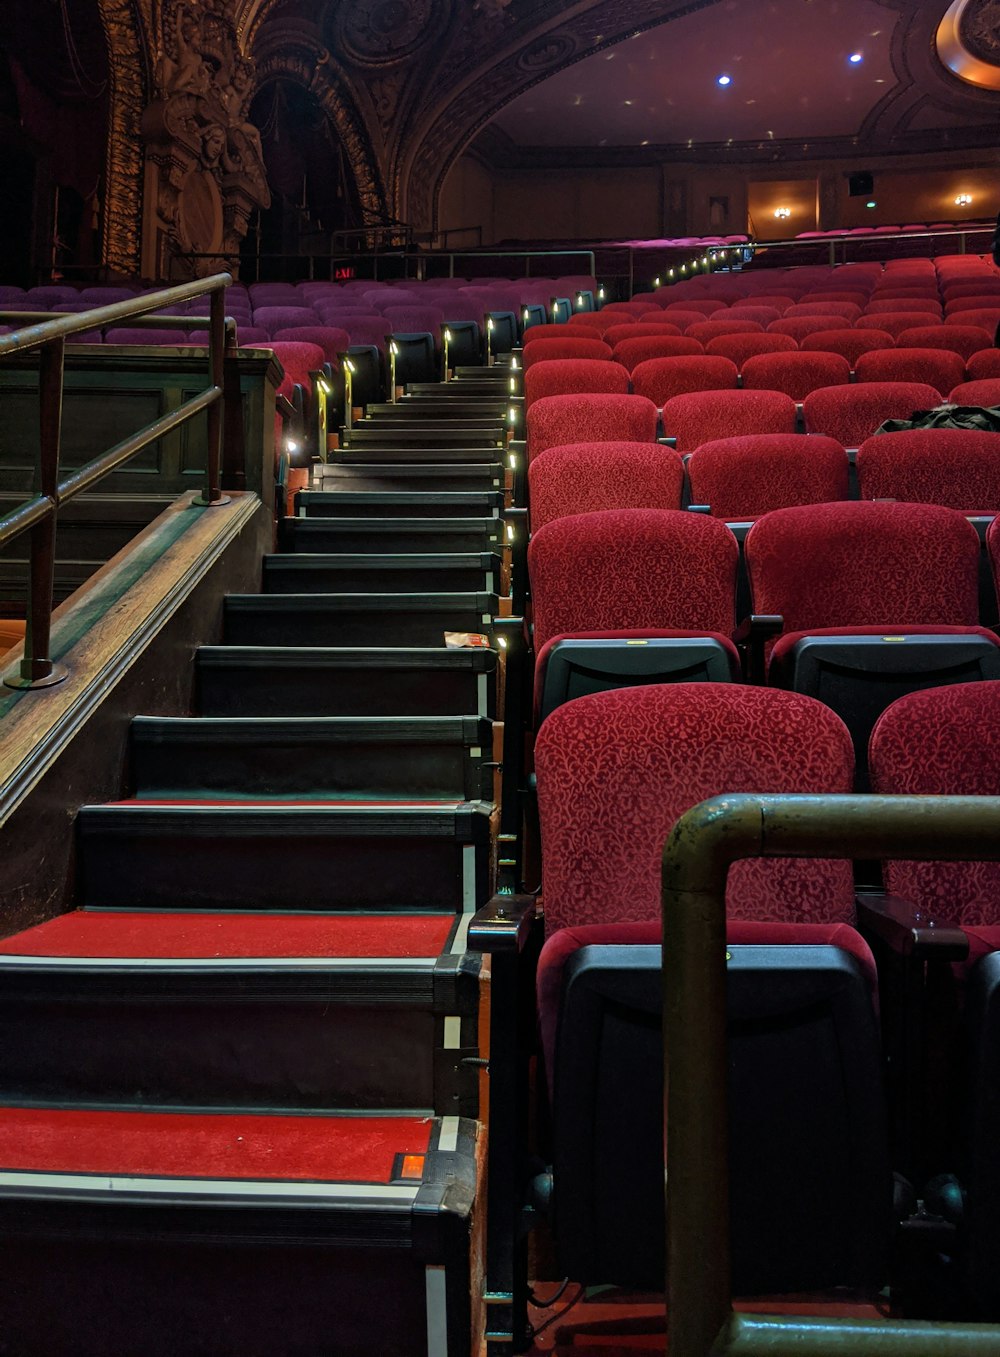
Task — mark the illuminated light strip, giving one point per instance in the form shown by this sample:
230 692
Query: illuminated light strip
205 1187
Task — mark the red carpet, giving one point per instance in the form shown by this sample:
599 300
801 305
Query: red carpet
86 933
157 1144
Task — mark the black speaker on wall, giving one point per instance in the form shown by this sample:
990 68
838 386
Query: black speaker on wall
860 184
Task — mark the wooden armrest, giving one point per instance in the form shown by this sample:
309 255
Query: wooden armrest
910 931
503 924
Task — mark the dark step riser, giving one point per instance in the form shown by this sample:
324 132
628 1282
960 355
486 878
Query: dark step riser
208 764
188 868
315 535
226 1042
401 480
427 439
412 504
283 578
266 627
387 452
311 690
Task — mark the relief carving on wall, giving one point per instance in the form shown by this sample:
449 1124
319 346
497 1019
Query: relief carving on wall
123 173
204 151
968 42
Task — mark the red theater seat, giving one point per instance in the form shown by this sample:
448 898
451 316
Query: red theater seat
937 367
660 379
573 376
584 477
699 417
738 348
850 413
959 468
631 352
796 374
850 344
563 347
553 420
964 340
741 478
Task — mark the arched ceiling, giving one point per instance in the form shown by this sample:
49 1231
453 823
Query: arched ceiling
573 81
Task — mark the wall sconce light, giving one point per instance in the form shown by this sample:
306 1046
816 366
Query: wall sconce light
782 212
963 200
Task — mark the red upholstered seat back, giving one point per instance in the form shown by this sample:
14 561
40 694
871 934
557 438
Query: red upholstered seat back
572 376
800 326
584 477
984 392
589 419
750 475
984 364
850 344
851 413
964 340
705 330
698 417
624 569
937 367
942 741
298 361
563 347
861 564
617 769
959 468
891 322
738 348
641 349
796 374
660 379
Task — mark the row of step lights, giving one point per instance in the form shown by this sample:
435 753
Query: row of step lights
242 1078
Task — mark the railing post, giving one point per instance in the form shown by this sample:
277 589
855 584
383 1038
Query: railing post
37 669
216 361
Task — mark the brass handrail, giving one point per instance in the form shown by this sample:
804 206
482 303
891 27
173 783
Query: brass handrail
39 515
696 861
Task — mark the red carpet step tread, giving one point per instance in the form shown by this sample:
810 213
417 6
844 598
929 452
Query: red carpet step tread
152 1144
94 933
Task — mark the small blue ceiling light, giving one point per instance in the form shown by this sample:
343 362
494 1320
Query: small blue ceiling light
724 80
856 58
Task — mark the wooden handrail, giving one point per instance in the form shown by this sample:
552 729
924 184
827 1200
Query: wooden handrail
39 515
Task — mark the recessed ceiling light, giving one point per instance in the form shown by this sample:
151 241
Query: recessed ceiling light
871 203
724 80
855 58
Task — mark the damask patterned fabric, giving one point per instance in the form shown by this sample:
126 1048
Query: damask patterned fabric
937 367
535 334
848 311
834 294
631 352
780 302
745 477
890 322
640 329
943 741
754 311
850 344
800 326
706 306
331 340
554 420
680 315
851 413
921 305
738 348
616 770
566 347
595 320
861 563
959 468
985 392
796 374
716 325
571 377
298 361
660 379
698 417
585 477
274 318
964 340
625 568
984 364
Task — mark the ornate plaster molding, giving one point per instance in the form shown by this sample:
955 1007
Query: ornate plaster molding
122 236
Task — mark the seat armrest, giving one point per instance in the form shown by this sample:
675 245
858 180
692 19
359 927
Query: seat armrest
752 636
910 931
504 924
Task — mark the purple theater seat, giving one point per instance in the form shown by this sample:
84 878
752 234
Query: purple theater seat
273 318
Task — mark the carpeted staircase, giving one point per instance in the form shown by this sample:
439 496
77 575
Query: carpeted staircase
240 1081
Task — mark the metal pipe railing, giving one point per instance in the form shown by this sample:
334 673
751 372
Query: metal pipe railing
39 516
703 845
